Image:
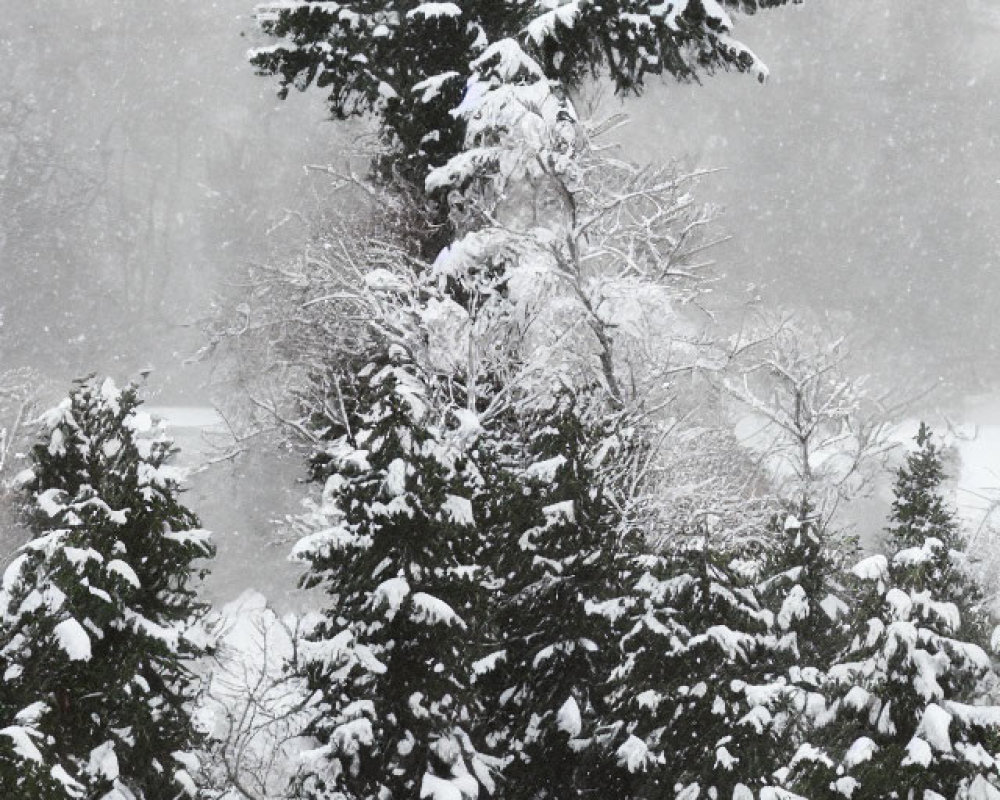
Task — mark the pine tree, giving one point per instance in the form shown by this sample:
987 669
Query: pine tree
99 612
900 722
414 65
559 548
802 583
700 678
397 549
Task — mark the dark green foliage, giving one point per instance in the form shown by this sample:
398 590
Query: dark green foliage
397 551
700 677
900 721
341 49
559 548
96 608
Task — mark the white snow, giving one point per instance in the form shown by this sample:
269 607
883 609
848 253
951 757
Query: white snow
49 502
899 603
431 10
975 754
488 663
833 607
12 575
71 786
872 568
430 610
435 788
545 471
559 512
196 536
73 639
918 752
857 698
933 728
119 567
545 26
391 594
458 510
725 759
808 752
395 477
198 417
634 755
430 88
982 789
911 556
568 718
103 761
23 746
795 606
861 750
846 786
187 783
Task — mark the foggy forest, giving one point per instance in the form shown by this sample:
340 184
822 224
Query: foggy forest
516 399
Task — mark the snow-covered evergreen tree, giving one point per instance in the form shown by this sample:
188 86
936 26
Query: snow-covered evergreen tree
418 68
701 679
395 543
919 512
408 62
801 582
901 721
559 546
98 614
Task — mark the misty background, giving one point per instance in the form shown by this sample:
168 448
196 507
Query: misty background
143 167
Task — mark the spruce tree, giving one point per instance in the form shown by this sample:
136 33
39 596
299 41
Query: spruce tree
560 544
801 583
901 722
919 513
397 549
99 615
701 678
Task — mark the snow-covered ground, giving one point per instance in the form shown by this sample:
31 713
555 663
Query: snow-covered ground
978 443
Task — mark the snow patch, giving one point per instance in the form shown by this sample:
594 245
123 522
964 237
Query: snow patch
568 718
73 639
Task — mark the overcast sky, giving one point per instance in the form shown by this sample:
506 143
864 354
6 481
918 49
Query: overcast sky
859 184
862 181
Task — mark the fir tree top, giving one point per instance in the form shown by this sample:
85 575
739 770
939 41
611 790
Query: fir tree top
919 510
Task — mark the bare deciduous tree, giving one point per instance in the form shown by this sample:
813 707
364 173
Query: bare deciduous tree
254 704
821 433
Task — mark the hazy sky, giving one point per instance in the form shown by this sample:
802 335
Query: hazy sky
860 183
